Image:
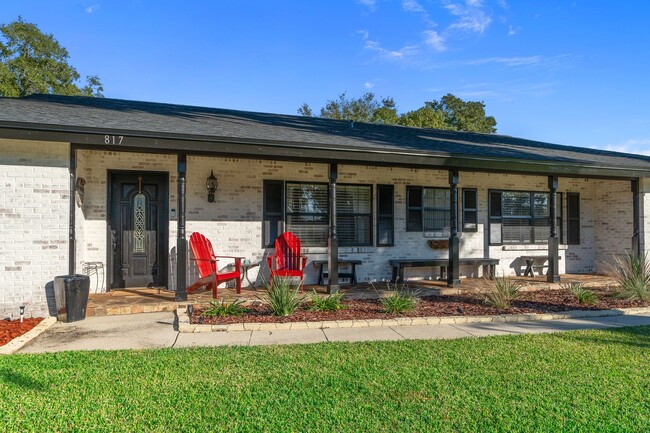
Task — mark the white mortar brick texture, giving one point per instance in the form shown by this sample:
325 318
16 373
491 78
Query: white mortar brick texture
34 207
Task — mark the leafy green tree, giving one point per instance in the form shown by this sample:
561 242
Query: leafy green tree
34 62
451 113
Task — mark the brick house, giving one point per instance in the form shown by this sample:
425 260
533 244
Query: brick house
122 184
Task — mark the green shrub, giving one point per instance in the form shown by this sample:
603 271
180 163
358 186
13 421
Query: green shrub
283 298
225 308
331 302
400 300
583 295
504 291
632 273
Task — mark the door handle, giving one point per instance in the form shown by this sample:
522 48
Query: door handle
114 239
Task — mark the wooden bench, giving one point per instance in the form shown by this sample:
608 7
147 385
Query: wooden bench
398 266
530 263
352 275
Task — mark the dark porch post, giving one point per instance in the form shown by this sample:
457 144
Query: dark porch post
453 279
333 240
553 274
72 237
181 241
636 217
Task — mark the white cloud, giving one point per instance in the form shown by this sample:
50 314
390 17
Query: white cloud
412 6
406 51
92 9
370 4
471 16
368 85
508 61
638 146
434 40
512 30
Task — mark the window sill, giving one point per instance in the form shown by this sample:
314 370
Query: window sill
539 247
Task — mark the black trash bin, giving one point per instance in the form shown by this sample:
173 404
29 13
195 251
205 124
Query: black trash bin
71 294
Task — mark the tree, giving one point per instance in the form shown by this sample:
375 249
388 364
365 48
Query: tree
34 62
451 113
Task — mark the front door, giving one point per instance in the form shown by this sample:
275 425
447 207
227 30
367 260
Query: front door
138 226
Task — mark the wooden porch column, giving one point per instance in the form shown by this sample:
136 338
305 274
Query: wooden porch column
181 239
453 279
636 218
333 240
553 274
72 236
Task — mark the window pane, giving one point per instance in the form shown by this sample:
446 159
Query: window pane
311 229
542 204
353 230
353 198
436 219
414 220
542 230
385 231
516 231
437 198
469 199
469 220
414 196
495 204
385 199
273 197
495 233
306 198
515 204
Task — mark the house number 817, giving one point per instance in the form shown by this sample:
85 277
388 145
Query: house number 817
113 139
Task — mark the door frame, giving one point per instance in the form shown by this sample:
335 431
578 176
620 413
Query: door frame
109 210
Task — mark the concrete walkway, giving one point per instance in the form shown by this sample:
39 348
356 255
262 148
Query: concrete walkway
156 330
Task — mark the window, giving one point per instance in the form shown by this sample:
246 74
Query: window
573 218
518 217
307 213
273 211
303 208
385 215
427 208
470 210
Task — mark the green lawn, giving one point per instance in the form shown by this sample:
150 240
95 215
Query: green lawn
586 381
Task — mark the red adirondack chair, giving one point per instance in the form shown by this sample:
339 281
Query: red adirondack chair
287 258
206 262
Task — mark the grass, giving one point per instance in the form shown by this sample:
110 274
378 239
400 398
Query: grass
502 293
525 383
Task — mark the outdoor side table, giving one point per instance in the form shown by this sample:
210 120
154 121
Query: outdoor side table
245 266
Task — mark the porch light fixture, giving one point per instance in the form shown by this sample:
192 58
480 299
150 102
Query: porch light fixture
211 185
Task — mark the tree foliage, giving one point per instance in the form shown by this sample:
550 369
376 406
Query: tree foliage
450 112
34 62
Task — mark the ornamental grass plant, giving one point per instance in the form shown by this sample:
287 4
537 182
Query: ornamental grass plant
283 298
502 293
632 273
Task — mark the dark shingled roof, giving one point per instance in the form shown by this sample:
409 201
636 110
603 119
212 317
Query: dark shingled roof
86 114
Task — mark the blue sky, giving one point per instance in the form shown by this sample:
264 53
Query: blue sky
567 72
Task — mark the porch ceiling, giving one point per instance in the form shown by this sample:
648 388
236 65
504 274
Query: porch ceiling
172 128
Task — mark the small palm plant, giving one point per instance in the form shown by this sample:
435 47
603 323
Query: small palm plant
583 295
283 298
632 273
399 300
504 291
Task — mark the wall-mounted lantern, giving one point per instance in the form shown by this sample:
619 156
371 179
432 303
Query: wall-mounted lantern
211 185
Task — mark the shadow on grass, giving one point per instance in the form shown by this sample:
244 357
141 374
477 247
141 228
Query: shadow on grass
634 336
10 377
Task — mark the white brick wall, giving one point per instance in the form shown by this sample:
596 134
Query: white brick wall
34 207
233 222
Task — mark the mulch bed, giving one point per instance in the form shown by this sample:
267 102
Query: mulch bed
470 304
14 328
